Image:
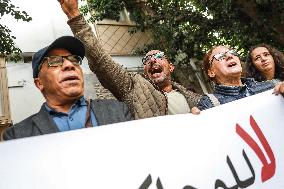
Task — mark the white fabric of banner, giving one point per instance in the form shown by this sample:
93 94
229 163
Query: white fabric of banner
236 145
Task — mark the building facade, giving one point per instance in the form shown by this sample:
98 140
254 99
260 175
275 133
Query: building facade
5 116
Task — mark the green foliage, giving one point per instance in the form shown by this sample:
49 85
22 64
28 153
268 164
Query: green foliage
193 26
242 30
188 28
7 44
104 9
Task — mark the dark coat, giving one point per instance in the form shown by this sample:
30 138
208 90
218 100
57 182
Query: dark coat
106 112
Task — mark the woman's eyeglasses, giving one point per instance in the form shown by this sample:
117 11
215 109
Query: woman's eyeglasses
222 55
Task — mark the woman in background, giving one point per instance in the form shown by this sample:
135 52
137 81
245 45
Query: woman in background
223 66
265 63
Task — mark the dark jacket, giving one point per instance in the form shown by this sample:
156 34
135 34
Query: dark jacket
106 112
226 94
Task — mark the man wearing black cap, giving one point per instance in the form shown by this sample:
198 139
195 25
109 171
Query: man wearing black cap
59 77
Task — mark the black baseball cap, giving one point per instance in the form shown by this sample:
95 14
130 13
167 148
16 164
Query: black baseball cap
70 43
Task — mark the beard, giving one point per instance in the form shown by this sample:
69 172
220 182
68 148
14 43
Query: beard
160 80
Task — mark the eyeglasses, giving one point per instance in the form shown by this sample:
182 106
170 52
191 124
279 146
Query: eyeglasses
55 61
222 55
159 55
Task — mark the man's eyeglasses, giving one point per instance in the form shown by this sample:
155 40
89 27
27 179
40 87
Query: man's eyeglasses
222 55
55 61
159 55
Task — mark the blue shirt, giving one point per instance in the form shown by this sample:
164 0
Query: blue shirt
74 119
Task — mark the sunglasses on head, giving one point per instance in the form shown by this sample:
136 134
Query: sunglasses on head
222 55
158 55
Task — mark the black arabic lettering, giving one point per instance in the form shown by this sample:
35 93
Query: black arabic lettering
240 184
189 187
159 184
147 182
221 184
247 182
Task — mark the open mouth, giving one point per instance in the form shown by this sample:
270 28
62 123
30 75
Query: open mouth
232 64
156 69
70 78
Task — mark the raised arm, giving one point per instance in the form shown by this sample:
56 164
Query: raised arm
111 75
70 8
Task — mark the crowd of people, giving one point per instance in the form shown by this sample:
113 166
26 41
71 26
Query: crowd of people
59 77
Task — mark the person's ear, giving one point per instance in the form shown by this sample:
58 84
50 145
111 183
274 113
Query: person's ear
145 72
172 67
211 73
38 84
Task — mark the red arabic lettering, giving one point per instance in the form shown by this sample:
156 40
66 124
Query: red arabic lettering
268 169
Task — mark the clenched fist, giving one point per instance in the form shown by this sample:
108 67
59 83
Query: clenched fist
70 8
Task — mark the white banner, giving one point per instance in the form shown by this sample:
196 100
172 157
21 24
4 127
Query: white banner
236 145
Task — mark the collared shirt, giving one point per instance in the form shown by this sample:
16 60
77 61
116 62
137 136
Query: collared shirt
75 118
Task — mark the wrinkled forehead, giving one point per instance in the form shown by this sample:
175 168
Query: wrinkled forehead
220 49
152 52
58 52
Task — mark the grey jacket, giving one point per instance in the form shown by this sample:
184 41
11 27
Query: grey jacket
142 97
106 112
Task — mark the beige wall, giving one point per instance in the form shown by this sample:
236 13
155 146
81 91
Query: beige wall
116 39
5 118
